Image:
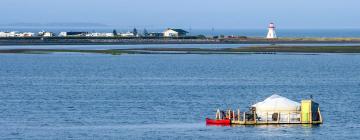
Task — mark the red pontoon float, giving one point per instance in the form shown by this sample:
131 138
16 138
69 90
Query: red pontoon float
218 122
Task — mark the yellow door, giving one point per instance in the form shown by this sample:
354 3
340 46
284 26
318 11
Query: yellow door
305 111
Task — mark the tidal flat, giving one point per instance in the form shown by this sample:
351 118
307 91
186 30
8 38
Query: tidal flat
165 50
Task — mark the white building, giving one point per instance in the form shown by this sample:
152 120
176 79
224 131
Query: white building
25 34
174 32
16 34
100 34
62 34
7 34
271 33
72 34
46 34
127 34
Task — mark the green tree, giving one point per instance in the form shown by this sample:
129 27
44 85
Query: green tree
135 32
146 33
201 36
114 32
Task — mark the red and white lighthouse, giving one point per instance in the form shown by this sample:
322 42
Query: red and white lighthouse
271 33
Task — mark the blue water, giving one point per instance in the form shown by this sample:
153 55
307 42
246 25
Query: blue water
160 96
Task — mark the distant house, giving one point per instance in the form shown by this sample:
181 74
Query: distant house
46 34
174 32
127 34
100 34
73 34
62 34
153 34
16 34
7 34
25 34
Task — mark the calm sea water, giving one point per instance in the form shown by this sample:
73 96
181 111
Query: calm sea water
93 96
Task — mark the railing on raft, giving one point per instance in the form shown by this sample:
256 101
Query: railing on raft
280 117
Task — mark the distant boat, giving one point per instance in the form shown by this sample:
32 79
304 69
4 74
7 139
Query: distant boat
273 110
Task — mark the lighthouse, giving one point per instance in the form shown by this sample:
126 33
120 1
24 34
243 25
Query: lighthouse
271 33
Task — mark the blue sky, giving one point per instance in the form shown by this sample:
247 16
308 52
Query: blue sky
187 13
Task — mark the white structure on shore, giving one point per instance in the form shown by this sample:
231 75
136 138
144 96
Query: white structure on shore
16 34
100 34
271 33
46 34
25 34
7 34
127 34
72 34
85 34
174 32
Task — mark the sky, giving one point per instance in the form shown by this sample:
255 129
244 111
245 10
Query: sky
227 14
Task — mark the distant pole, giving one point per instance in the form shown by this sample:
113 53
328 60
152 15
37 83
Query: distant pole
190 30
212 31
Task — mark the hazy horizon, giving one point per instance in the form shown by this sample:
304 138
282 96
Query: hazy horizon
200 14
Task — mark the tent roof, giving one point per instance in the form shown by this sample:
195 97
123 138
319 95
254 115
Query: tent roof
276 103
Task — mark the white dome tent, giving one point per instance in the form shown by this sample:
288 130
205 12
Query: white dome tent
277 105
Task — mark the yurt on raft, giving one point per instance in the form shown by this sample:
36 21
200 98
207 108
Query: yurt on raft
277 108
273 110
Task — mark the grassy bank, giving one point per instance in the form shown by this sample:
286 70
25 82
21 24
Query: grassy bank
258 49
47 51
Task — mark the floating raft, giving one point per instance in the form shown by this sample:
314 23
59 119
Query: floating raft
273 110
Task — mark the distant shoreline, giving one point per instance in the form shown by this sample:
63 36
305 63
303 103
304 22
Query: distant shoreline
185 40
240 50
